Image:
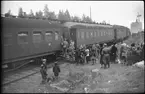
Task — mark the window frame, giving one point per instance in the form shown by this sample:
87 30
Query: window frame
56 33
98 33
104 33
94 33
91 34
51 32
78 34
40 32
82 35
18 39
87 34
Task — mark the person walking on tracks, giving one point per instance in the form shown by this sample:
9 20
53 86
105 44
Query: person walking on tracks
56 70
43 73
44 64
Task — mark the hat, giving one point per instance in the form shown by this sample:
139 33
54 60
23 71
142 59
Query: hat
41 66
87 50
55 62
43 60
105 44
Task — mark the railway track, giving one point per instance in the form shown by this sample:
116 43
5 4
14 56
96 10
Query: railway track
19 76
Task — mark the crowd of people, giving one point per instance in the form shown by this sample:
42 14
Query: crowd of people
103 53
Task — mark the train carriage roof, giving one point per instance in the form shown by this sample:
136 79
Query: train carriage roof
82 25
29 23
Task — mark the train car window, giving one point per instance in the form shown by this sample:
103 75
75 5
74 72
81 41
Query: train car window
87 34
107 33
98 33
7 39
48 35
56 35
78 34
82 35
37 37
104 33
91 34
22 37
94 34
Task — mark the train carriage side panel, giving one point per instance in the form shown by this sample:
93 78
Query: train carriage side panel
119 33
23 41
104 35
80 37
8 43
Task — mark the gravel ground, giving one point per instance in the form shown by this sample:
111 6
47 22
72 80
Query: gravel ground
116 79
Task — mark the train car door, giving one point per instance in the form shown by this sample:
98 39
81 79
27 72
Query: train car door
73 35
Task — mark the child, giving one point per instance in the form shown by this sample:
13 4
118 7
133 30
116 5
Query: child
56 70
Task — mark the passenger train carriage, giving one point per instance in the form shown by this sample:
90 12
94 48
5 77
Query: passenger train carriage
28 38
24 38
83 33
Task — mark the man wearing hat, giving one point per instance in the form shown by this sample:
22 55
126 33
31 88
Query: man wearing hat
106 56
113 54
43 73
56 70
87 55
44 64
43 70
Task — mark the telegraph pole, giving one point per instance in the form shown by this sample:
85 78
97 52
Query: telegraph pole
90 13
138 17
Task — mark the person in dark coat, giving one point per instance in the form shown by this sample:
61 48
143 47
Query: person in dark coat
106 56
44 64
56 70
43 73
101 55
87 55
113 53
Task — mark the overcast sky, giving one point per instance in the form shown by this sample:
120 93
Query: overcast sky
114 12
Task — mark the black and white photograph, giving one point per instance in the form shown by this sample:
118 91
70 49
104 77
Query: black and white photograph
72 46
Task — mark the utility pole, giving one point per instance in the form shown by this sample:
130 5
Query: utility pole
90 13
138 17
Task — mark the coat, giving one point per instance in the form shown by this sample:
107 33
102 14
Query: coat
56 70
